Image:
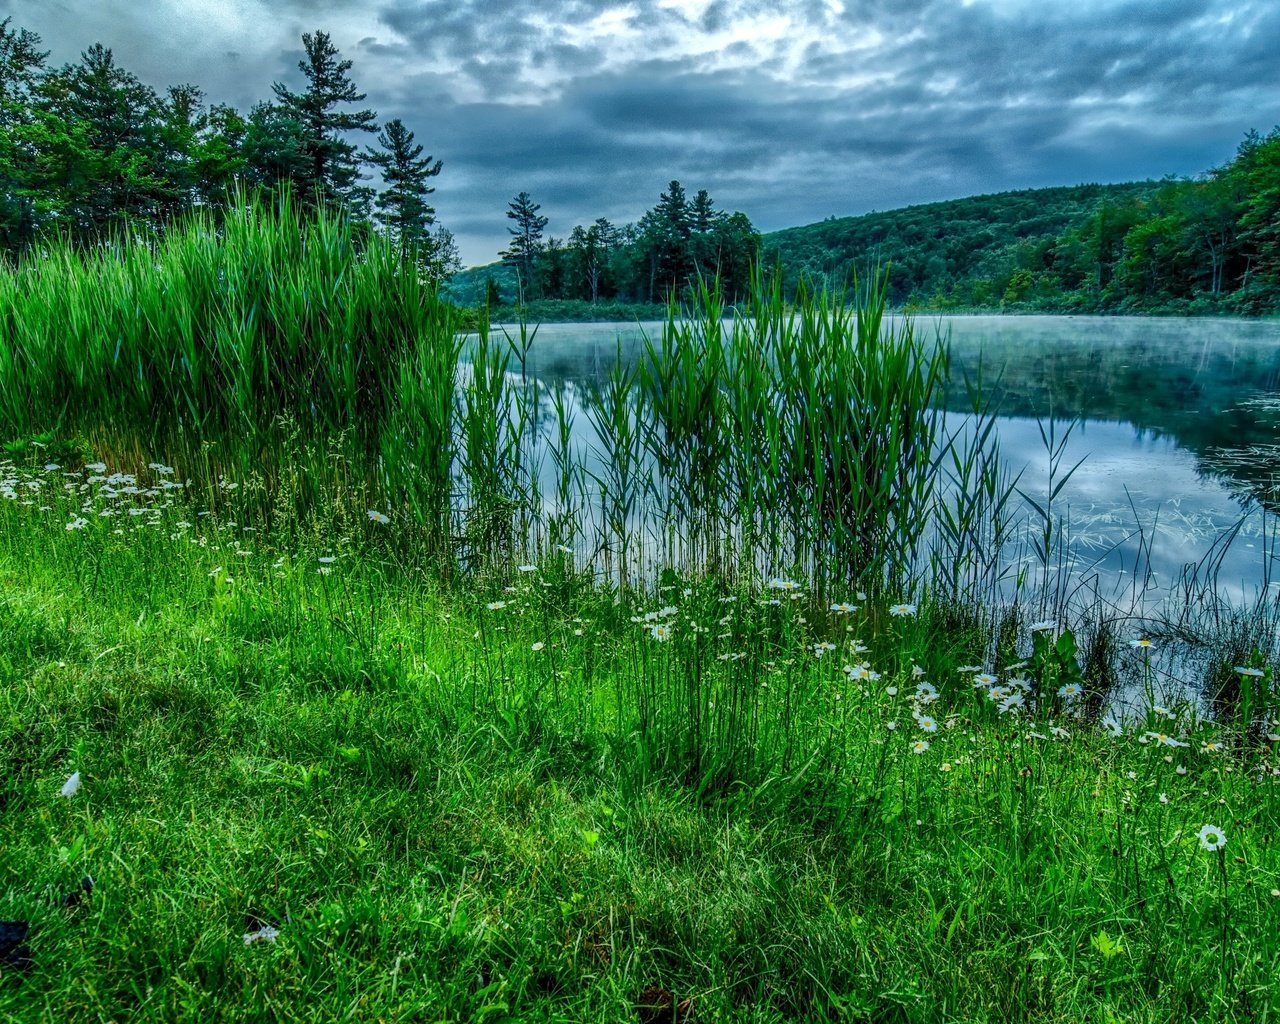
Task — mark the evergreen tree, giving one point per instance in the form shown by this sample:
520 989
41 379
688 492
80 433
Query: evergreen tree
331 169
402 206
104 165
21 65
526 243
274 148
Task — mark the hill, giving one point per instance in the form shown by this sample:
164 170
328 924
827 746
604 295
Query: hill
961 251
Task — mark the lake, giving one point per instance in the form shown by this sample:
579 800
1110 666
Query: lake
1177 423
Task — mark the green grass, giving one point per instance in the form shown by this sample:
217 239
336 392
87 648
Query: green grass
446 824
342 670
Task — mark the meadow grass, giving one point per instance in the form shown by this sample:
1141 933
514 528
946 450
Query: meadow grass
335 714
518 801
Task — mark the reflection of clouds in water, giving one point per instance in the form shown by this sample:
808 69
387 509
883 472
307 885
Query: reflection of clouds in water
1139 500
1136 502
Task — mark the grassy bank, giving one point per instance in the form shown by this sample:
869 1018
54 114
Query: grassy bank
447 805
336 683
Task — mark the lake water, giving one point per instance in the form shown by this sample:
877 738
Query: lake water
1177 423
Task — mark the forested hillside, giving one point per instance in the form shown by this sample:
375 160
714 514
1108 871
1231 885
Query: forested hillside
1203 245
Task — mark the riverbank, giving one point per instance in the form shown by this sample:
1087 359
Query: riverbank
321 699
307 781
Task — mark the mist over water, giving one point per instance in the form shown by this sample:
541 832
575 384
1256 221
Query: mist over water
1175 425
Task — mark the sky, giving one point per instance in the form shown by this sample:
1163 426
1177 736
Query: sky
788 110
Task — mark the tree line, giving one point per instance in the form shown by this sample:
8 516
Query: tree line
1200 245
87 152
665 252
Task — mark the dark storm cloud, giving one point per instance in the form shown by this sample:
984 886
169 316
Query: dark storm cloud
594 105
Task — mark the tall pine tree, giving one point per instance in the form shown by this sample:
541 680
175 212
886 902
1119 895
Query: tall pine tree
330 168
402 206
526 243
21 64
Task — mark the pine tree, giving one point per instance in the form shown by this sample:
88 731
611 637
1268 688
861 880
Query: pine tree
331 167
402 206
103 162
21 64
526 242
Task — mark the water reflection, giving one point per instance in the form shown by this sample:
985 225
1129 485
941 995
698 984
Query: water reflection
1179 431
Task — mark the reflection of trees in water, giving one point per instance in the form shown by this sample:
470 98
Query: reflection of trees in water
1212 387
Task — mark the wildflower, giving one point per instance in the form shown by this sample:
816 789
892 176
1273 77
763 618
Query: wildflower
916 671
538 646
891 726
71 787
265 933
377 517
526 568
902 610
919 746
1210 746
1163 798
982 679
1060 733
1141 642
1043 626
96 467
892 691
1252 673
1112 726
777 583
1181 769
1012 702
819 649
843 608
79 523
926 723
945 767
970 668
1211 838
1070 691
1036 736
926 693
564 549
661 632
495 606
326 559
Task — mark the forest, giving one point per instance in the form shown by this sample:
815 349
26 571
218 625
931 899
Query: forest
89 152
1209 244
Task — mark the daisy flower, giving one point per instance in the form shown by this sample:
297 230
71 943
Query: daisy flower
1211 838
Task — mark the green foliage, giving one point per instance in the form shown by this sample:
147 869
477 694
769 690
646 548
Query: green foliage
303 791
88 153
1201 245
329 168
664 255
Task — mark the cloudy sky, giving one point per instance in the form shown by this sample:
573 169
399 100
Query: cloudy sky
789 110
